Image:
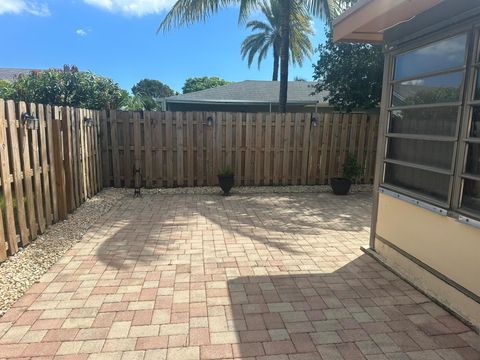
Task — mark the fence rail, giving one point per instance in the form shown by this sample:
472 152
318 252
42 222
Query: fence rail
189 148
46 172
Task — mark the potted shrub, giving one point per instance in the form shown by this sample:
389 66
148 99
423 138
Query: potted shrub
226 179
351 170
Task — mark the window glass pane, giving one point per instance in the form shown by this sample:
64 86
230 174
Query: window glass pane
475 127
431 90
477 87
419 181
473 159
445 54
471 195
430 153
427 121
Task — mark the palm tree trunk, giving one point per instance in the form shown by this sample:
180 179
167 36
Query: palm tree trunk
284 53
276 63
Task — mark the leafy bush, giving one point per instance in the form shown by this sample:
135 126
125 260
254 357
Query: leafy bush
350 74
351 168
6 89
226 172
68 87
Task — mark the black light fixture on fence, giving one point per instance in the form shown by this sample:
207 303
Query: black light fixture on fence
314 121
30 121
210 121
88 121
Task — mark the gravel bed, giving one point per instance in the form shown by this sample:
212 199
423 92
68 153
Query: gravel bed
21 271
212 190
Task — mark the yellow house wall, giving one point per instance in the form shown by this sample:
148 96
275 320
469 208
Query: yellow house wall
441 242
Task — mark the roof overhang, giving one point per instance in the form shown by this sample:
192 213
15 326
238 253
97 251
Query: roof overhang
368 19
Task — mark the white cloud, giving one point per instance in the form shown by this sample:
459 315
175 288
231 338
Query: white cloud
132 7
24 6
81 32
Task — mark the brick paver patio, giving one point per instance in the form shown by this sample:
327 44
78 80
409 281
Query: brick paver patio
248 276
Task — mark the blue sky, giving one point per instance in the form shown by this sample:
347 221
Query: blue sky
117 38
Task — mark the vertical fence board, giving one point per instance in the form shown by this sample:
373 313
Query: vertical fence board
314 142
9 226
324 154
52 168
147 128
200 149
248 150
59 169
127 149
96 151
258 148
238 148
305 149
115 150
104 136
169 157
137 152
74 119
190 149
37 180
3 246
27 174
277 155
67 157
180 149
45 165
267 150
17 172
286 175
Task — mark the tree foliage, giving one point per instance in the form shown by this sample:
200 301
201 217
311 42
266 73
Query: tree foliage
152 88
68 87
351 74
268 36
185 12
202 83
149 92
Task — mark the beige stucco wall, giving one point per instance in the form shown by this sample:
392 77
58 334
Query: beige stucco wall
441 242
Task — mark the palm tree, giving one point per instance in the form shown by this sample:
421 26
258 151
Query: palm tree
186 12
269 37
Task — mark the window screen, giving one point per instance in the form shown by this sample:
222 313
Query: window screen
424 115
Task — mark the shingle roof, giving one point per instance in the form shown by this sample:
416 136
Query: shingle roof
253 91
11 74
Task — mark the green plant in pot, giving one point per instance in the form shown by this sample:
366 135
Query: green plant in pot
226 180
351 170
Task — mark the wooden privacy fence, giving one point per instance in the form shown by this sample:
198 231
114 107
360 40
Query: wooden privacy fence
46 172
189 148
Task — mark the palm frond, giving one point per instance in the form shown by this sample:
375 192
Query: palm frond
325 9
186 12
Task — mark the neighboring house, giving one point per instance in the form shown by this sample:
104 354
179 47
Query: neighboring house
250 96
426 217
10 74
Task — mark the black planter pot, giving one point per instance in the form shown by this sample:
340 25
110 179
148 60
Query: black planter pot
340 186
226 183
